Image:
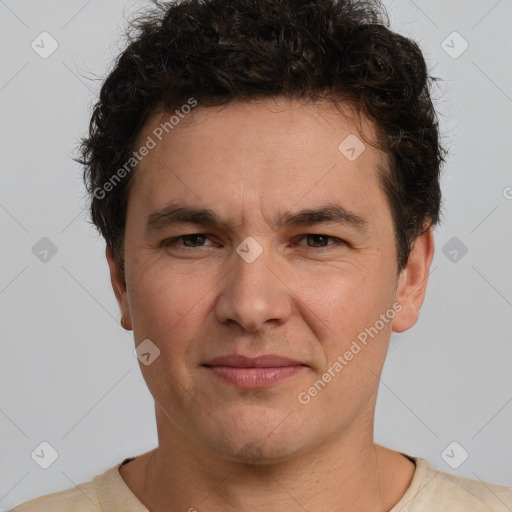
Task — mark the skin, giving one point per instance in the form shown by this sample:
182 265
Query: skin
222 448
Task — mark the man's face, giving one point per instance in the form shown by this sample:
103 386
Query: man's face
313 289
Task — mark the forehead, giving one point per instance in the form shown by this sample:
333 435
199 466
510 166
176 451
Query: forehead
258 154
283 116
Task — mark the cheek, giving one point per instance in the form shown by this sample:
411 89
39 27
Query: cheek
348 313
165 305
169 309
346 301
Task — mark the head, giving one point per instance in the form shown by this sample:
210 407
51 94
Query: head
261 127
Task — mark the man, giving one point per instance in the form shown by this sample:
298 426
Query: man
266 177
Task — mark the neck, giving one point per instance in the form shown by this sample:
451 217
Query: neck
348 473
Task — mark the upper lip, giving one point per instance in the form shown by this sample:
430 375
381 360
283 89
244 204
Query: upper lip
265 361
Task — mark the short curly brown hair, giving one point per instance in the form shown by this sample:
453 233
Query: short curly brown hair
217 51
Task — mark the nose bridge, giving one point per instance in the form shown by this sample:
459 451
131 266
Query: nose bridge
252 294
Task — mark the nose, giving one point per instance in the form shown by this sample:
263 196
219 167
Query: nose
253 293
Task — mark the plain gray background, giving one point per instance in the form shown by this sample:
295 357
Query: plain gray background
68 376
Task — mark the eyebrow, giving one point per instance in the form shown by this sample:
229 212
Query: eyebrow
177 213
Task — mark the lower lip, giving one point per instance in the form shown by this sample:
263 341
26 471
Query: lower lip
255 378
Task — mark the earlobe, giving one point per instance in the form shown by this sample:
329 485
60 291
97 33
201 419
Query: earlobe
119 286
412 282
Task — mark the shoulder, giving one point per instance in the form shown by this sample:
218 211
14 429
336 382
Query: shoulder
84 497
475 493
431 489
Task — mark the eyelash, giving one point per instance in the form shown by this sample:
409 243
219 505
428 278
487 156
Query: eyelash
170 241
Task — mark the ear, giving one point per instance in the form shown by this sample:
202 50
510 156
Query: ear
119 286
412 282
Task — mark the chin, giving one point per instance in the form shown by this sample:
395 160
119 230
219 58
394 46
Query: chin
257 451
259 441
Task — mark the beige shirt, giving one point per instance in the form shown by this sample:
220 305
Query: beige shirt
430 491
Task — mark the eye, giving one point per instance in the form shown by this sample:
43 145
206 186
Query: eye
197 240
194 240
321 240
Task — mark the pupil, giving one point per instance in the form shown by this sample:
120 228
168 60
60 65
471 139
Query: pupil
321 237
192 237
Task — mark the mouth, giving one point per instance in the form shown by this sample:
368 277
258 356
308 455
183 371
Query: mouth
254 372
